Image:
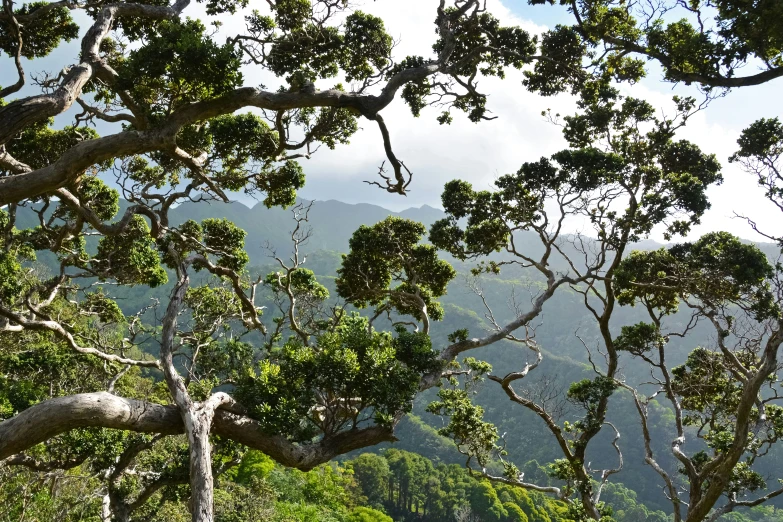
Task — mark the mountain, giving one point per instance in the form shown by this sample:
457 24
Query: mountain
529 446
332 222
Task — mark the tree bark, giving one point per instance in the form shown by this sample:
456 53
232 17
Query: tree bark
198 424
52 417
197 418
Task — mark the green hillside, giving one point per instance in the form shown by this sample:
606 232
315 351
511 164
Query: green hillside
565 361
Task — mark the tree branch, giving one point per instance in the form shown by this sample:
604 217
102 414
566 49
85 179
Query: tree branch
101 409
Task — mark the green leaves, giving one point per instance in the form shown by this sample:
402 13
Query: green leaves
500 46
211 305
565 49
243 153
485 233
466 426
40 145
688 49
352 374
161 73
761 147
281 184
35 367
388 268
312 50
589 393
716 269
639 339
226 241
709 391
42 34
763 138
367 46
98 197
105 308
239 138
10 284
703 42
130 258
302 283
292 14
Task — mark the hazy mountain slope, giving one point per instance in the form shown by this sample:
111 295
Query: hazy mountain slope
333 223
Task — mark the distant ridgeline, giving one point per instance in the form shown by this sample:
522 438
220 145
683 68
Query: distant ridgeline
528 443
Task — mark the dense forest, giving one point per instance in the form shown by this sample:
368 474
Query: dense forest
527 353
423 476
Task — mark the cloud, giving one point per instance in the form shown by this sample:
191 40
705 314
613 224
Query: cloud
717 134
434 153
480 152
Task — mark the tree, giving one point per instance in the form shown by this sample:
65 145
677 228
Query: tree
363 514
310 382
624 182
761 148
719 391
174 95
704 42
372 474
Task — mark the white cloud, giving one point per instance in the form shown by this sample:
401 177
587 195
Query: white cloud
435 153
481 152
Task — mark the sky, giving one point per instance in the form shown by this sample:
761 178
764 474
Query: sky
479 153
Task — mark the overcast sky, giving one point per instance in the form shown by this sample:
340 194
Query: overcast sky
481 152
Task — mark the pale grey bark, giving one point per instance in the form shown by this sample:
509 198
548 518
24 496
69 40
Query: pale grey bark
87 153
52 417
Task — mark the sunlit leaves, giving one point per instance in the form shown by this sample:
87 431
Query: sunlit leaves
485 232
590 394
227 241
161 73
130 258
98 197
302 283
41 145
716 269
10 285
292 14
211 306
466 426
387 266
103 307
349 375
42 34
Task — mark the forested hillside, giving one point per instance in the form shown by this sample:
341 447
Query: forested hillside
430 482
527 353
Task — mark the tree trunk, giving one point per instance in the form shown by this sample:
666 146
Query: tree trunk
198 423
589 506
197 417
106 508
114 509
